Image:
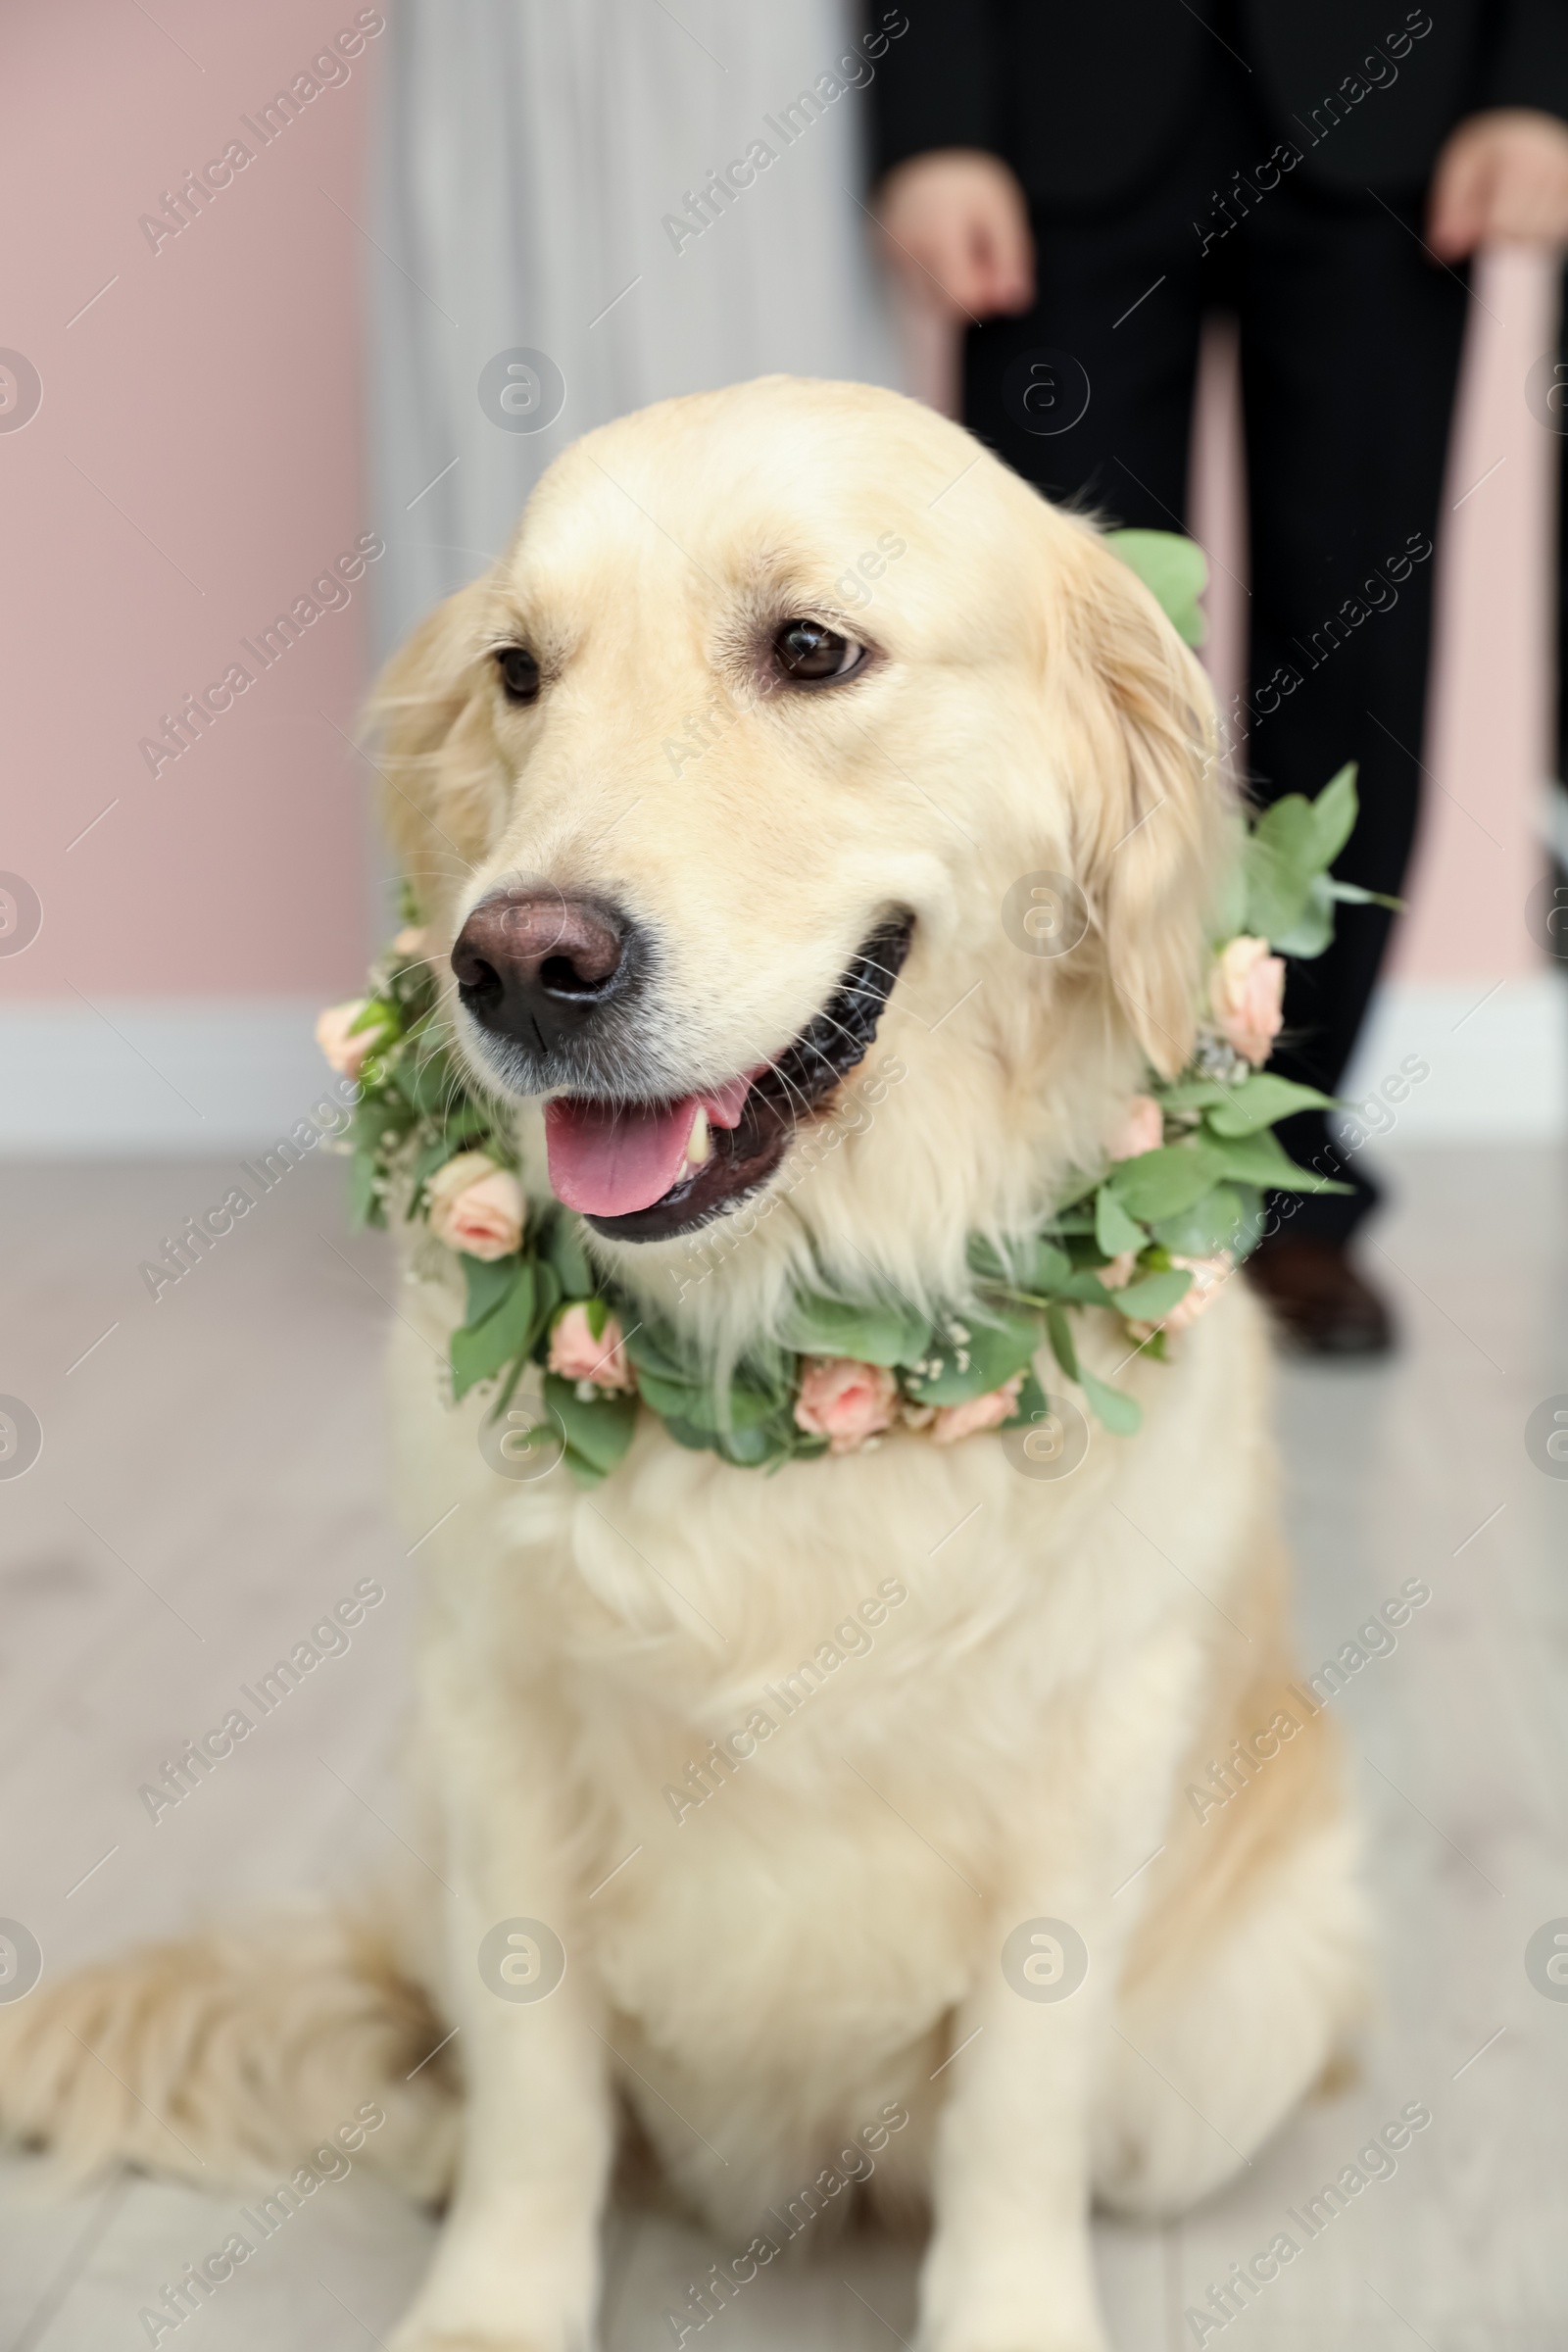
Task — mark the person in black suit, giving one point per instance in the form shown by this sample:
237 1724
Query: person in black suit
1083 185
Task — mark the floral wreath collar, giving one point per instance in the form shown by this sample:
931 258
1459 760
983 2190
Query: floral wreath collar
1152 1238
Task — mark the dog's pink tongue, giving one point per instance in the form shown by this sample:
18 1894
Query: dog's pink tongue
610 1158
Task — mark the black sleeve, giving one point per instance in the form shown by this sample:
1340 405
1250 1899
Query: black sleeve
1529 61
937 84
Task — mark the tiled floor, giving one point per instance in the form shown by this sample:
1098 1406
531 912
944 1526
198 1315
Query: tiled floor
210 1482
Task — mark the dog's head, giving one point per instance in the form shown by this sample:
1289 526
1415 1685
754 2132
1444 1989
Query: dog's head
794 737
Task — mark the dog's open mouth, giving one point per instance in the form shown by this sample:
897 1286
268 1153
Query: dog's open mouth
644 1171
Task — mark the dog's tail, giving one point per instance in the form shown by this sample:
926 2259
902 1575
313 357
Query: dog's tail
229 2056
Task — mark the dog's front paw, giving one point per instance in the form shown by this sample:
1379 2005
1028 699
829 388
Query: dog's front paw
503 2289
1011 2293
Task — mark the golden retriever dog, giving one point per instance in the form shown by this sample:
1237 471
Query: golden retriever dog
831 1826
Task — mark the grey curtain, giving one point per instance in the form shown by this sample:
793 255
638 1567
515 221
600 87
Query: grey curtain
534 161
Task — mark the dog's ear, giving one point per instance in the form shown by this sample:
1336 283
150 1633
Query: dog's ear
437 772
1150 809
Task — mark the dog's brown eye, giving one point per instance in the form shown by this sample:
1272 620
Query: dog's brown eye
808 651
519 673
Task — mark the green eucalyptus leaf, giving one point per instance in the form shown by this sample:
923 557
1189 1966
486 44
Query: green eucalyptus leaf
985 1261
470 1125
1314 927
379 1019
1192 1094
596 1314
365 1206
1212 1223
1033 1268
1059 1332
991 1353
1276 882
1114 1230
600 1430
1259 1100
581 1471
1123 1415
650 1352
1078 1219
563 1247
869 1333
750 1448
1173 570
1230 912
546 1299
1291 846
1159 1183
1262 1159
773 1371
1045 1267
744 1405
508 1389
426 1081
486 1282
1152 1297
478 1350
694 1403
1033 1402
676 1399
1086 1287
1334 814
1248 1229
378 1116
687 1434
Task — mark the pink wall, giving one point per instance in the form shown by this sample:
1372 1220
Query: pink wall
193 467
1480 847
1481 852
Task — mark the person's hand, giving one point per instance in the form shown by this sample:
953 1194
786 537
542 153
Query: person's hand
1501 179
956 223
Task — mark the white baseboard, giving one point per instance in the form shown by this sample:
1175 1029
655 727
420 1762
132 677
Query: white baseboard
172 1078
165 1077
1497 1057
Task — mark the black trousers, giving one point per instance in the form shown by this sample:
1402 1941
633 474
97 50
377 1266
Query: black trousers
1350 336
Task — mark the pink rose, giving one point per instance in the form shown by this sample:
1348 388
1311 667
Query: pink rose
344 1053
412 944
1143 1129
576 1355
1209 1274
845 1401
1118 1273
956 1421
477 1206
1245 991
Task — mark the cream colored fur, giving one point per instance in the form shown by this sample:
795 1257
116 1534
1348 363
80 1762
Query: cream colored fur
757 1977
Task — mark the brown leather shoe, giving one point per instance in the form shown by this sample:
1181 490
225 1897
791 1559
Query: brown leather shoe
1321 1305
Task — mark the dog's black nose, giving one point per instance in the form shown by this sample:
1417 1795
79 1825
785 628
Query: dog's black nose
534 965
